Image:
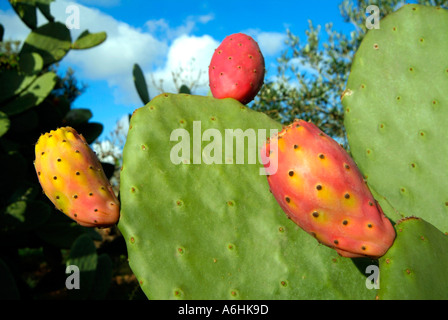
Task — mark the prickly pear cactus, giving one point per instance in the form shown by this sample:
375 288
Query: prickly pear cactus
396 111
203 225
415 267
51 40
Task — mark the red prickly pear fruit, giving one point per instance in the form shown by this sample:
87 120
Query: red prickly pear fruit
319 187
73 179
237 69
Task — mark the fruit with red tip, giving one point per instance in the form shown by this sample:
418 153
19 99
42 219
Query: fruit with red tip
321 189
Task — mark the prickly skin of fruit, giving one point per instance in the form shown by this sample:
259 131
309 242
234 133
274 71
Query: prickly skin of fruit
73 179
321 189
237 69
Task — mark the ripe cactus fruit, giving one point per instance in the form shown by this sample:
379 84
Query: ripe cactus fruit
321 189
237 69
73 179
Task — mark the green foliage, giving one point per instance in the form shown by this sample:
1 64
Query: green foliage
8 54
184 89
51 41
35 99
217 239
312 72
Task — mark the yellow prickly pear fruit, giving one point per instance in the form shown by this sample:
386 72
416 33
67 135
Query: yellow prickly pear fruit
73 179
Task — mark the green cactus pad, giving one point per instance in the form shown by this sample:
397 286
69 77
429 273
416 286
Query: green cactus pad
140 83
87 40
33 95
4 123
52 41
396 111
214 231
95 271
415 267
13 82
83 255
44 8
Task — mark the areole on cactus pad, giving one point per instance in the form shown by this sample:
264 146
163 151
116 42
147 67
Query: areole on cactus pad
74 180
321 189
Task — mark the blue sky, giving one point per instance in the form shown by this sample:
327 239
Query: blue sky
165 36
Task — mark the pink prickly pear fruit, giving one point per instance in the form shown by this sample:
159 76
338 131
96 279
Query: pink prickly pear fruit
73 179
237 69
319 187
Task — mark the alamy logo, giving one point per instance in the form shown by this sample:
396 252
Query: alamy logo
219 150
72 281
373 20
373 281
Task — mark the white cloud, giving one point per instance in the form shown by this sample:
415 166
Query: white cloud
192 55
163 29
270 43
